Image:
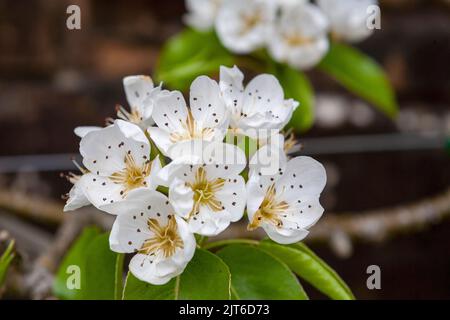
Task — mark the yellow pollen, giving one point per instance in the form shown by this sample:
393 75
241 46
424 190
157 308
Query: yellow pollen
269 210
133 116
250 21
165 239
133 176
191 131
296 39
205 192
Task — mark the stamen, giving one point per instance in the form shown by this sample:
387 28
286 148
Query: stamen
133 176
191 131
165 240
271 210
205 192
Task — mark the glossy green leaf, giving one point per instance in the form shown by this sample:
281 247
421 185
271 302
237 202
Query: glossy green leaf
91 264
188 55
206 277
100 270
256 274
5 261
75 257
362 75
311 268
297 86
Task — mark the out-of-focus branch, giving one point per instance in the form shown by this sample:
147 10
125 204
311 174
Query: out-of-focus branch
378 225
31 207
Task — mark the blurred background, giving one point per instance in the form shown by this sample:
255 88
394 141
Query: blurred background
388 196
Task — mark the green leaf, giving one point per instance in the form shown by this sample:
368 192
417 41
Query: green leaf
100 270
311 268
5 261
75 257
97 266
362 75
297 86
188 55
206 277
259 275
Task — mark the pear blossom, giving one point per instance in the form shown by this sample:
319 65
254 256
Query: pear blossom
348 19
206 119
202 13
299 36
76 198
205 187
141 94
146 225
117 161
284 200
259 109
243 26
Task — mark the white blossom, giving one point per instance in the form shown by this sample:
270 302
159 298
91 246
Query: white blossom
259 109
349 18
202 13
284 200
141 95
147 226
205 187
117 160
243 26
206 119
299 36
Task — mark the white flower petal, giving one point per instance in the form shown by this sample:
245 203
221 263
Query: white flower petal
303 177
300 36
104 151
82 131
231 86
348 19
137 89
77 197
207 105
181 197
242 26
159 269
233 197
201 13
101 191
170 111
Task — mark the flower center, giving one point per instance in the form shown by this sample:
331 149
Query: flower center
133 176
205 192
165 239
269 211
250 21
191 131
296 39
134 116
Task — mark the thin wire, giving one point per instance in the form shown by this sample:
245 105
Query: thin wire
309 146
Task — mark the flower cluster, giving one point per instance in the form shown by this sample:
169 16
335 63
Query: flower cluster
293 31
168 171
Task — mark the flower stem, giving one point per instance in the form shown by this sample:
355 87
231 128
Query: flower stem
118 288
221 243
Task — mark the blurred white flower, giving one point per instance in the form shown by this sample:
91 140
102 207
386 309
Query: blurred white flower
348 19
258 110
205 187
202 13
117 159
285 201
205 120
299 36
147 225
243 26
